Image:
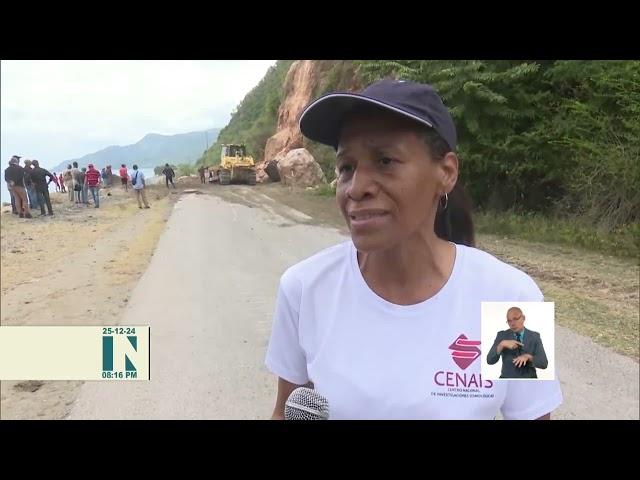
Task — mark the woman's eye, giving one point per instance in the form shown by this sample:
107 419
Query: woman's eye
344 168
386 160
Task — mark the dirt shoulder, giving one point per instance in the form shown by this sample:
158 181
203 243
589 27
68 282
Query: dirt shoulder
596 295
77 267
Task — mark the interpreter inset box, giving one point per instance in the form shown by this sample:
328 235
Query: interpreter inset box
518 340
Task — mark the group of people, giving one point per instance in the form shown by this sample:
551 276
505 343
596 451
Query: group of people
78 182
28 185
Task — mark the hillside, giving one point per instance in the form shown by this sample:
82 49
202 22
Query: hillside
264 110
152 150
547 148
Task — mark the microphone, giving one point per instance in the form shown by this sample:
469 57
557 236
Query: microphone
306 404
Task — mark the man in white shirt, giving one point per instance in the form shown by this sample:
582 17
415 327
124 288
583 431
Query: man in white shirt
139 187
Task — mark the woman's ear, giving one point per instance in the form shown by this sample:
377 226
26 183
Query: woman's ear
449 172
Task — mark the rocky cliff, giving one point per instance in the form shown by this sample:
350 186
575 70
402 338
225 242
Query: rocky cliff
305 80
298 89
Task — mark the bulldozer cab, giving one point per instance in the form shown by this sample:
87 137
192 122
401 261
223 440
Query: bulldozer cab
234 150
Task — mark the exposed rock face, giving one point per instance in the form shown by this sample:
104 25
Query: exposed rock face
298 168
300 85
298 88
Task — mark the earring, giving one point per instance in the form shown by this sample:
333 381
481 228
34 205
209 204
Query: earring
446 201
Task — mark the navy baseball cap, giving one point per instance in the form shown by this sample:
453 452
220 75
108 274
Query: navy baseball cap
322 119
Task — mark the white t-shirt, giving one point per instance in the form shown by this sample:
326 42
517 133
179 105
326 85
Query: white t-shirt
137 180
376 360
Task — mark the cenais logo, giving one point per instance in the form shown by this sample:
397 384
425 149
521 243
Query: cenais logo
463 353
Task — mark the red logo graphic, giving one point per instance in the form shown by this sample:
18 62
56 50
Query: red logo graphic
464 351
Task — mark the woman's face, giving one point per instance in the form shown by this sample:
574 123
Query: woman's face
388 186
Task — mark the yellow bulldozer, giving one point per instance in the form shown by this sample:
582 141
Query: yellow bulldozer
235 166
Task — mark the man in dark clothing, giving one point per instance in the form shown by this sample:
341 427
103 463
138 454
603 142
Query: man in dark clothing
14 176
84 189
168 175
28 183
39 177
13 197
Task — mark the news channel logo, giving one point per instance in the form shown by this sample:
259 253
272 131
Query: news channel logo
106 353
121 353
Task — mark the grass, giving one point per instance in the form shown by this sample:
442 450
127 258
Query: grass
620 242
587 316
135 256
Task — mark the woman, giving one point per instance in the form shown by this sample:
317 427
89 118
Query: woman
371 323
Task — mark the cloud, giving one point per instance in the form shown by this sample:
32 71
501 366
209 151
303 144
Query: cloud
58 110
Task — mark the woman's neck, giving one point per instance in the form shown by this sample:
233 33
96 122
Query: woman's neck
411 272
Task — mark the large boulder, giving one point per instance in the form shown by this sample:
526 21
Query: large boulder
271 169
298 168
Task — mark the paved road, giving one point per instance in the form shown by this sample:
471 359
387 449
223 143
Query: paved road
208 296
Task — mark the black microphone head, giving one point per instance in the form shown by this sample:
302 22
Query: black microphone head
306 404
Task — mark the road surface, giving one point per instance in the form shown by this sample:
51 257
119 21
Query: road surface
209 294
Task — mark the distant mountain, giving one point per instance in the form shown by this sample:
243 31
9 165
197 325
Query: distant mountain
151 151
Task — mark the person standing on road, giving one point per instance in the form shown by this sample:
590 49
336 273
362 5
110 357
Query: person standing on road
109 176
387 324
83 193
14 209
124 177
56 181
139 187
68 183
28 183
14 176
92 180
168 175
39 177
61 181
77 187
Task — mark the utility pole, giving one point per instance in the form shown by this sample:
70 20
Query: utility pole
206 135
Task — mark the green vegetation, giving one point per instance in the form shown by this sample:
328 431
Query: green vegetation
255 119
562 230
549 149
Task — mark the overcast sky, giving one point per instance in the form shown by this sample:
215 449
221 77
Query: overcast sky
59 110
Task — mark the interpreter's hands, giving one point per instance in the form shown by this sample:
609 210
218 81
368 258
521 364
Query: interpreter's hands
511 344
522 360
